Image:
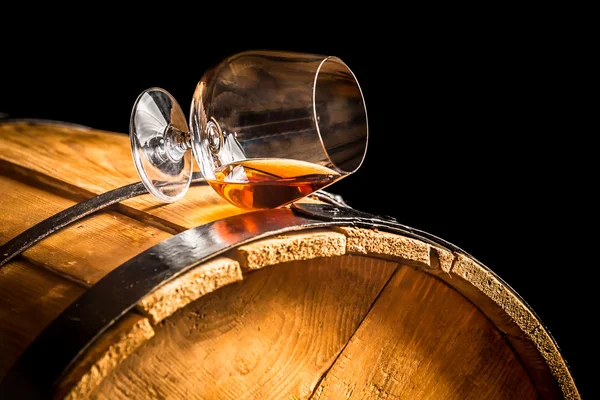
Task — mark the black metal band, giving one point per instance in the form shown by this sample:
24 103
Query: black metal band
31 236
41 230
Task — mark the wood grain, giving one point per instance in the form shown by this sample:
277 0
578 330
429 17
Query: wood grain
270 336
118 343
423 340
538 369
390 246
499 303
89 159
189 287
83 252
295 246
93 162
518 323
30 298
475 281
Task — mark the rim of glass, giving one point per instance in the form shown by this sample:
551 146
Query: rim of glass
314 95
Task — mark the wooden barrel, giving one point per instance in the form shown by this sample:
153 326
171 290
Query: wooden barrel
327 313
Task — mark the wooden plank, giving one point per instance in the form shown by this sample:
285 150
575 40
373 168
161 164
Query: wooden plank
522 328
423 340
553 359
271 335
376 243
189 287
30 298
510 315
88 162
83 252
114 346
539 369
295 246
93 160
498 302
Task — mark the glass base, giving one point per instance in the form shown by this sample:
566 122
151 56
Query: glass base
160 145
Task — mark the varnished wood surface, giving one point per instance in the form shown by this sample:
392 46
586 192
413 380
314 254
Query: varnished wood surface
270 336
423 340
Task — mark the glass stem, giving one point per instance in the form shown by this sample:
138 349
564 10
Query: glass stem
177 142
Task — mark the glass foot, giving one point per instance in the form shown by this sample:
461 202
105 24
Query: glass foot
160 145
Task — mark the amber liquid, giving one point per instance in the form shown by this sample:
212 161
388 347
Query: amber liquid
269 182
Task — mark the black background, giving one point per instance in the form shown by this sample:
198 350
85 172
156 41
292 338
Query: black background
471 135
